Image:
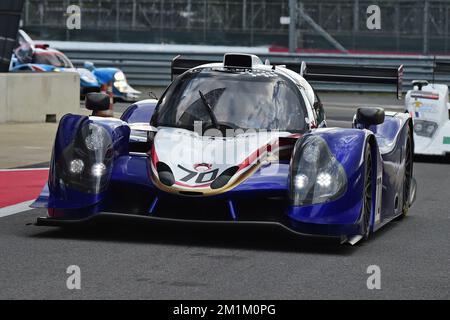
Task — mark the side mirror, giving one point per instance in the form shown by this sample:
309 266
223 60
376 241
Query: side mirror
369 116
97 102
317 105
89 65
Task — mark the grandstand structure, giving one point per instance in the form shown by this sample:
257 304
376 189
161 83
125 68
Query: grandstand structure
420 26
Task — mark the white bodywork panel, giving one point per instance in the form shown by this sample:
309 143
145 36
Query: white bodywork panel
183 151
432 110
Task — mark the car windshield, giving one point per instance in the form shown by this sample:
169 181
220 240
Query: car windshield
256 99
55 59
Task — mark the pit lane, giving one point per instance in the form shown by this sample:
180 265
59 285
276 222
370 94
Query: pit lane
124 259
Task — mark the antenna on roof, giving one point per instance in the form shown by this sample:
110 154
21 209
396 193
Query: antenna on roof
434 68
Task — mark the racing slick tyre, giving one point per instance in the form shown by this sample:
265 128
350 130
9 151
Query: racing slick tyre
367 194
407 177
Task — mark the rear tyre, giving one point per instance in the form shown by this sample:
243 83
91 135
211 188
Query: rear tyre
367 194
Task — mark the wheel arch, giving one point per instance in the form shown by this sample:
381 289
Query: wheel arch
348 147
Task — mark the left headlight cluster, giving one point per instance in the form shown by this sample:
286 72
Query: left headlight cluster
85 164
316 175
425 128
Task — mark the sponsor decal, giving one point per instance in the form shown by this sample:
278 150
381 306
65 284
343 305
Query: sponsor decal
428 109
446 140
419 106
202 177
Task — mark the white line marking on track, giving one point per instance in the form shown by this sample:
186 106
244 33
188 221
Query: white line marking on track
24 169
16 208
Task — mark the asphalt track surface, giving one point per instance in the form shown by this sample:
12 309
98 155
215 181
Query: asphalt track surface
128 260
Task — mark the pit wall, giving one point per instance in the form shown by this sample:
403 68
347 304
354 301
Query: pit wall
37 97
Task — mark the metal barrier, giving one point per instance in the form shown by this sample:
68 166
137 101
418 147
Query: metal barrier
152 67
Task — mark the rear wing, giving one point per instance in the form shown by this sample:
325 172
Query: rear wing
351 74
441 67
180 65
318 72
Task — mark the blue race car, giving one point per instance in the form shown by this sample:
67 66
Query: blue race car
29 56
236 142
121 89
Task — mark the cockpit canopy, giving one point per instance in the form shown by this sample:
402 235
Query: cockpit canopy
253 98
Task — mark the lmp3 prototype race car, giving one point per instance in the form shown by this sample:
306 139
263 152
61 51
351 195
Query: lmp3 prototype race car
238 141
29 56
430 109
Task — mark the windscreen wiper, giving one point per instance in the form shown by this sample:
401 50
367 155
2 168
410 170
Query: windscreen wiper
209 109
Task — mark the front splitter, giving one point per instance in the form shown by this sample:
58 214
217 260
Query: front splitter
59 222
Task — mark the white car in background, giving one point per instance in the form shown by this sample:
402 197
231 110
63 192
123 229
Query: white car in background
429 107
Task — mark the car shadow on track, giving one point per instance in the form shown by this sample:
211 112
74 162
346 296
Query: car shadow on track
264 238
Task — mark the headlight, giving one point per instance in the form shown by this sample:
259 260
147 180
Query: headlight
120 82
85 164
425 128
76 166
95 138
119 76
316 175
98 169
122 86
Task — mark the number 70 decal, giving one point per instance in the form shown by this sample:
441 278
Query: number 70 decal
200 177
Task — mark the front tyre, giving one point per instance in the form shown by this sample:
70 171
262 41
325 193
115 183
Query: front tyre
367 194
407 176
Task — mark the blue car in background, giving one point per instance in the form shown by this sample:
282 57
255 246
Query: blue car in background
121 89
29 56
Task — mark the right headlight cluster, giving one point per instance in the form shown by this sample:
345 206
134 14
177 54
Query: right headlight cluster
316 175
425 128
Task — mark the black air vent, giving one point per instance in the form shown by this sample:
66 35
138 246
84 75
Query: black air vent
165 174
223 179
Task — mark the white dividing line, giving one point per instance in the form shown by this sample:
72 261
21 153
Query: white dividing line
16 208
